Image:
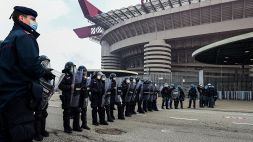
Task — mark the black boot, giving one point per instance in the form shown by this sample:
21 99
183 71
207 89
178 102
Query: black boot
38 135
44 132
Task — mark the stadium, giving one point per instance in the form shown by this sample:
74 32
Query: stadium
156 38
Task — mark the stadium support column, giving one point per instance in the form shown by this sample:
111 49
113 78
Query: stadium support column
157 57
109 61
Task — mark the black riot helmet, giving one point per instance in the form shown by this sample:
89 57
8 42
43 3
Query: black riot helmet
44 61
113 76
137 79
69 67
82 68
131 79
98 75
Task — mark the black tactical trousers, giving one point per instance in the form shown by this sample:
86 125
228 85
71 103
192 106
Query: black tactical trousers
84 116
101 112
176 102
194 102
17 122
69 112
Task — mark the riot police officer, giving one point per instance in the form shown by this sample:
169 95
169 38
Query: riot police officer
107 97
165 96
97 91
201 95
125 89
154 101
116 97
20 71
138 96
41 110
150 99
193 96
133 98
129 95
146 94
84 96
70 87
181 96
172 96
210 93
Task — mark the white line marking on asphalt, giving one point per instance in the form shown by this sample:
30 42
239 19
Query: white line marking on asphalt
242 123
188 119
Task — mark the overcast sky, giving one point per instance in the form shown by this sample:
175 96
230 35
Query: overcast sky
57 19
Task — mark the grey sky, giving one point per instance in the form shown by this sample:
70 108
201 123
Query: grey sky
57 19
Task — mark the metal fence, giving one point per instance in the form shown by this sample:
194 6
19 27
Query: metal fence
235 95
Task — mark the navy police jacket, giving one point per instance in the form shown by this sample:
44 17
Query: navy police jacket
19 63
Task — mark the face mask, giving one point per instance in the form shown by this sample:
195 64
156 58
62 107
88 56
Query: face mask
98 77
33 25
134 81
128 81
103 78
46 64
114 78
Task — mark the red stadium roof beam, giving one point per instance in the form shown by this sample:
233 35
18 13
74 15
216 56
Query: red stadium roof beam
89 11
88 31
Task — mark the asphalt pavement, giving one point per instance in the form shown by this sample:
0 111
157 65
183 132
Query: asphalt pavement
221 124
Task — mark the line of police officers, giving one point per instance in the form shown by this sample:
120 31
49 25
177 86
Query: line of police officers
104 94
170 94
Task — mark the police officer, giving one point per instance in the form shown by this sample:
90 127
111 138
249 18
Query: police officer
154 101
181 96
201 95
41 110
133 98
146 94
210 94
192 96
107 97
84 96
70 97
116 88
138 95
125 89
171 90
20 71
150 99
129 95
165 96
97 91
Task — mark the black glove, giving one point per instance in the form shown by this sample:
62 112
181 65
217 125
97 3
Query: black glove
48 74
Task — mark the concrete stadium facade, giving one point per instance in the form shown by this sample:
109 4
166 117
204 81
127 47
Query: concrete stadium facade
163 41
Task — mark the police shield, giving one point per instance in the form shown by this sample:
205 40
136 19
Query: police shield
49 87
118 97
107 93
74 100
86 98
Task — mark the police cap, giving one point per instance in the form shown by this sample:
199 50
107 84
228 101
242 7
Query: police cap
26 10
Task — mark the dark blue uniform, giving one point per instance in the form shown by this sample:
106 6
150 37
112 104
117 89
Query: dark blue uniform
20 71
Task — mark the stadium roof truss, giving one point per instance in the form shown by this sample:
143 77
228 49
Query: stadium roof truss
113 17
